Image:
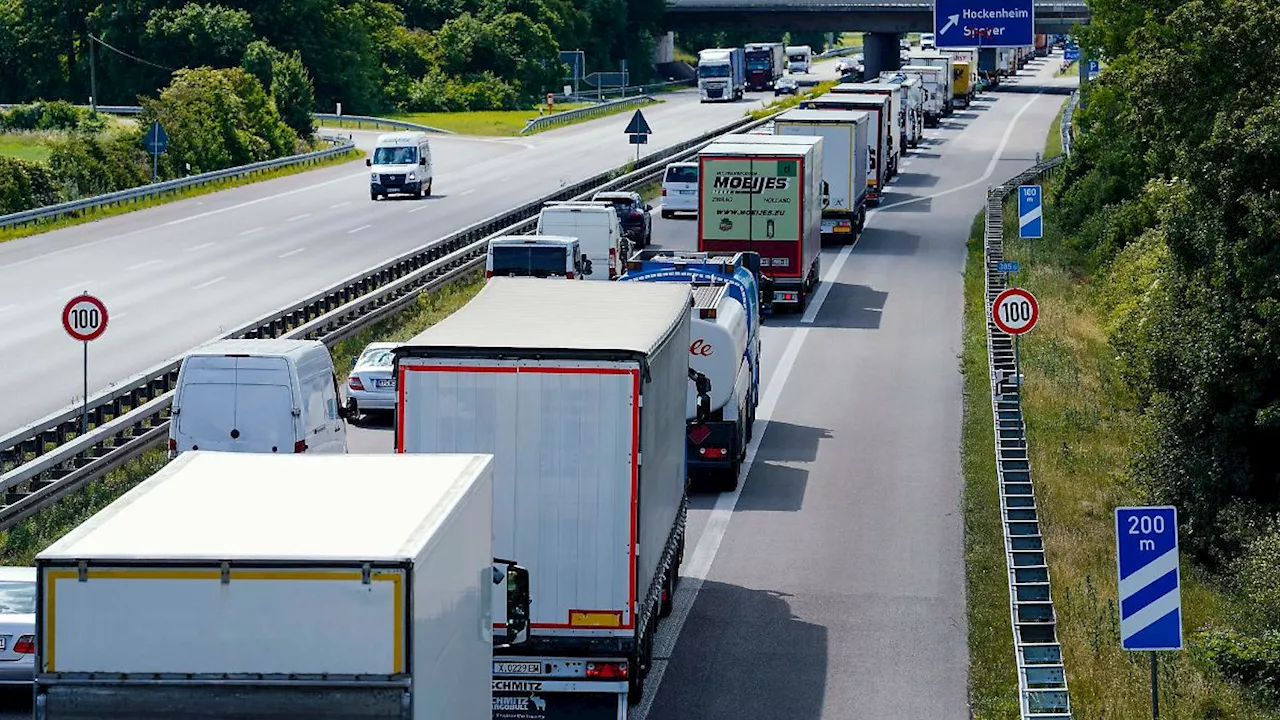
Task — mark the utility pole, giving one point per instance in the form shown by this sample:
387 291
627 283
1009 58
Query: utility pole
93 77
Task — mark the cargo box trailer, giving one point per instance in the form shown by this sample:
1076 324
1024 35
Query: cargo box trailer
846 163
879 132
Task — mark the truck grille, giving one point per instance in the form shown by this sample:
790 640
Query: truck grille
393 179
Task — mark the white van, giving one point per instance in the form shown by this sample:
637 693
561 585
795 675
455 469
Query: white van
599 232
680 188
258 396
401 163
535 256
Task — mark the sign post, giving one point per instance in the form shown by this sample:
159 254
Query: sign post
84 318
639 131
1150 584
1030 212
1015 311
157 140
983 23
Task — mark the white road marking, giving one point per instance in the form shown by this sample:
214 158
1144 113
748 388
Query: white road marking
341 204
298 217
466 192
356 230
698 565
251 231
291 252
201 246
68 288
141 265
420 207
206 284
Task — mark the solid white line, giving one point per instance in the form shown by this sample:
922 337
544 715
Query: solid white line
356 230
466 192
420 207
341 204
291 252
298 217
81 285
201 246
210 282
141 265
251 231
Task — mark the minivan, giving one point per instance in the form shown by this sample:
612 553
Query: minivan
680 189
401 163
536 256
258 396
599 232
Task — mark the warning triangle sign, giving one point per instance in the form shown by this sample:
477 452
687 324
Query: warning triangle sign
638 125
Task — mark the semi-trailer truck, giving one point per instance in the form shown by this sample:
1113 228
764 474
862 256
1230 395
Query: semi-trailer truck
567 385
942 61
722 74
879 133
252 585
935 88
724 356
846 162
897 115
913 90
764 194
766 63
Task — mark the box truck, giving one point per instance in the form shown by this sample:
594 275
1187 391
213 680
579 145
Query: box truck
964 82
931 80
846 163
897 115
250 585
724 357
566 385
722 74
765 64
764 194
913 103
878 133
942 61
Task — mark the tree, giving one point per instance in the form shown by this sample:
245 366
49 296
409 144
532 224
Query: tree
197 34
294 96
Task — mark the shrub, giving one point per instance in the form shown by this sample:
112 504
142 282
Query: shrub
86 165
440 93
56 115
25 185
1251 661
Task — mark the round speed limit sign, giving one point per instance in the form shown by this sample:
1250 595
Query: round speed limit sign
1015 311
85 318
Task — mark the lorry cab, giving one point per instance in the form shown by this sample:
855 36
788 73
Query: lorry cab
544 256
722 74
401 163
258 396
599 233
799 59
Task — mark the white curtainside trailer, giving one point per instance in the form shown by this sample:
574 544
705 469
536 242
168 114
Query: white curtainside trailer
258 586
578 390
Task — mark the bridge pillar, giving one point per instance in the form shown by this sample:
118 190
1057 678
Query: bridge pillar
881 52
664 50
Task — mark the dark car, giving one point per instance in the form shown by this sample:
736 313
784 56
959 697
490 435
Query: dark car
786 86
634 214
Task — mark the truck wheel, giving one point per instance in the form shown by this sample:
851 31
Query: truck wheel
429 184
729 482
668 591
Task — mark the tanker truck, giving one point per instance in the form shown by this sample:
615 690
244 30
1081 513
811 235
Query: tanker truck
724 355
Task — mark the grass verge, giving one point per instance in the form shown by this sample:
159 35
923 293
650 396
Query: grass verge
24 146
792 101
21 543
113 210
1053 141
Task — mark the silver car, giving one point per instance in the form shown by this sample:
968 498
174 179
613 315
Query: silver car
17 625
371 385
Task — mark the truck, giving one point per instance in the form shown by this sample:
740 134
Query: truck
258 585
933 58
931 79
897 115
963 75
565 384
879 133
764 194
766 63
722 74
724 356
913 90
799 59
846 163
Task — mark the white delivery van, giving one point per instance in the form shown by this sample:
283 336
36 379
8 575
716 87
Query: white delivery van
680 188
535 256
599 233
799 59
261 396
401 163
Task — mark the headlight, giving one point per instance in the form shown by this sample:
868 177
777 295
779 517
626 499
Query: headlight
412 176
374 177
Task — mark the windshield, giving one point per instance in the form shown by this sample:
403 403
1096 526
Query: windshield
758 63
797 58
524 261
682 174
381 357
395 156
17 598
713 71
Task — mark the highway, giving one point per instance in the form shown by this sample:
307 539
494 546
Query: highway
181 274
831 584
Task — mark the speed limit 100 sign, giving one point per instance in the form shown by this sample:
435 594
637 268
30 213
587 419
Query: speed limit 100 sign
85 318
1015 311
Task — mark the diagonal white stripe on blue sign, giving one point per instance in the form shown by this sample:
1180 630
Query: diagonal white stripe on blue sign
1032 216
1148 573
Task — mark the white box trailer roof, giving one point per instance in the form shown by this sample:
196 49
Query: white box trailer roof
845 136
565 384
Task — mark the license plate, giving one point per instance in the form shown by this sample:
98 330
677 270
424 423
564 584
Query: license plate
517 668
384 383
687 192
4 642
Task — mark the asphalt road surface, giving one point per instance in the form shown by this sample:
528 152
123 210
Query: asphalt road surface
831 585
176 276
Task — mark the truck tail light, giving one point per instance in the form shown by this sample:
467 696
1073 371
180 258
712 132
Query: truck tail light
173 445
354 383
488 274
607 671
713 453
300 446
664 191
26 645
636 214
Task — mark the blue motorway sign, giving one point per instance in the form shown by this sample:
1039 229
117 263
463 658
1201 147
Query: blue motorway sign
156 140
984 23
1008 266
1071 53
1030 212
1094 69
1150 587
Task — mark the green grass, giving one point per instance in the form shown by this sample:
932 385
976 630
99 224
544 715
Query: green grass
792 100
113 210
492 123
24 146
849 39
1053 141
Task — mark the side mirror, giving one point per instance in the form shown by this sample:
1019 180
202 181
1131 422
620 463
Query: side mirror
422 162
648 208
586 266
518 603
368 162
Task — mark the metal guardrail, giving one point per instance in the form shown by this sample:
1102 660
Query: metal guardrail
153 190
563 118
597 95
46 460
378 123
1068 127
1042 680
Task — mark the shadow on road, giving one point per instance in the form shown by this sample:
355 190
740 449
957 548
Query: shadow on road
915 180
852 307
923 203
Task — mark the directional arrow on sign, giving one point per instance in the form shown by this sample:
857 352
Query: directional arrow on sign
638 125
952 21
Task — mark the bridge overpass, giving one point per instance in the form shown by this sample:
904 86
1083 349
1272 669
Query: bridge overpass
871 16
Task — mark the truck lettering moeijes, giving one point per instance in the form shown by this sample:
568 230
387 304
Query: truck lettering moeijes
578 391
270 586
845 165
764 194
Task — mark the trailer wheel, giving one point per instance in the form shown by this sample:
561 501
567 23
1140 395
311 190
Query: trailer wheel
730 481
668 591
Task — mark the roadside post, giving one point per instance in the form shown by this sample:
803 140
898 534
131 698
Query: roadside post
1150 586
1015 311
639 131
84 318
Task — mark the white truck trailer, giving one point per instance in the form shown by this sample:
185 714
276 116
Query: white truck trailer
897 115
566 384
942 61
914 103
935 89
261 586
846 163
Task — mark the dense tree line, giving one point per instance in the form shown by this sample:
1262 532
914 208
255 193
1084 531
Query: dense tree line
1173 195
371 56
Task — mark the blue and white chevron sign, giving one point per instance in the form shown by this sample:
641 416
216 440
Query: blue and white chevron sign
1030 220
1150 587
